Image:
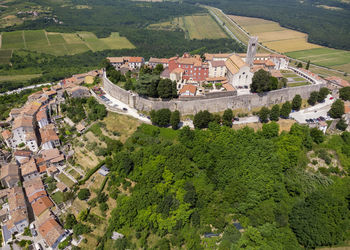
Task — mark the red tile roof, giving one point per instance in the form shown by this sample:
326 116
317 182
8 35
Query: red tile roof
41 205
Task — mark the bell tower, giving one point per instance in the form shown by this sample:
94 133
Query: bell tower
251 51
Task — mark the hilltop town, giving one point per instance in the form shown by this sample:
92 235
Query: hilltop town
39 178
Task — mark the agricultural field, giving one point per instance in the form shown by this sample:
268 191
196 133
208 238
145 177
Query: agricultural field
195 27
5 56
59 44
17 77
337 59
272 35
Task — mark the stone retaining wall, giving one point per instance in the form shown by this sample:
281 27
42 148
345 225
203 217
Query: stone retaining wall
187 107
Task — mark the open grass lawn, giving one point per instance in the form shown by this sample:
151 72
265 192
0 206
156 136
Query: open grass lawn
59 44
73 173
13 78
285 125
65 179
297 84
57 197
124 125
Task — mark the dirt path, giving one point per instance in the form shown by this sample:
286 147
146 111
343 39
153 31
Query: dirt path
24 40
48 41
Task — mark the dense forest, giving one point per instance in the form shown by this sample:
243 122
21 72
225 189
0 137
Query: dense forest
325 26
187 183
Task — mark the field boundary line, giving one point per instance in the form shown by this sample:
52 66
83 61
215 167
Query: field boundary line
24 40
68 53
1 40
47 38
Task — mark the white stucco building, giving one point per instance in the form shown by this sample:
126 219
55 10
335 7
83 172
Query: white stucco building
238 72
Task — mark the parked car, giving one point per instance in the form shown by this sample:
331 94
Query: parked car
236 119
125 109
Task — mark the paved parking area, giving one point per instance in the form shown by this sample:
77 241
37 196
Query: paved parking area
313 112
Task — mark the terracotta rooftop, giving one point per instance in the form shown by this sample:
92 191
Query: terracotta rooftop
188 87
50 154
17 216
6 134
217 63
48 135
42 114
36 195
16 198
210 57
341 82
219 78
190 61
31 108
234 63
347 107
178 71
29 167
158 60
133 59
25 153
9 171
41 205
228 87
51 231
116 59
22 121
276 73
42 168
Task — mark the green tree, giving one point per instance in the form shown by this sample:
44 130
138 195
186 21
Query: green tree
341 125
128 84
84 194
322 94
166 89
296 103
344 93
313 98
275 113
264 114
70 221
202 119
337 109
80 228
227 118
286 109
270 130
175 119
316 135
158 69
161 117
260 81
307 65
299 65
321 220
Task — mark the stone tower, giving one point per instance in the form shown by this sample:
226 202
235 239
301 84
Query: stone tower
251 51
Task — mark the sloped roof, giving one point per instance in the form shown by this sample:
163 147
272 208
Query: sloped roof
51 231
188 87
234 63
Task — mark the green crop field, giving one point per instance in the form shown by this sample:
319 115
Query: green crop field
195 27
12 40
203 27
325 57
58 44
5 56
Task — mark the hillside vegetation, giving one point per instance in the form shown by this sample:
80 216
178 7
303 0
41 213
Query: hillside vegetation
184 184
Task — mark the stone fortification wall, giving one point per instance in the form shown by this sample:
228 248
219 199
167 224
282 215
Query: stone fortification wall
192 106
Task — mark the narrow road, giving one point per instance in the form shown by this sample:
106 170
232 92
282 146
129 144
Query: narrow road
24 88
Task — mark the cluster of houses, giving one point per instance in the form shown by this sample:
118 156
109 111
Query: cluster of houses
33 138
232 71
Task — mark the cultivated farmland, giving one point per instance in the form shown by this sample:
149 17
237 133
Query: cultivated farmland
195 27
59 43
272 35
325 57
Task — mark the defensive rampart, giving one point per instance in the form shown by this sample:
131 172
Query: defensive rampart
192 106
